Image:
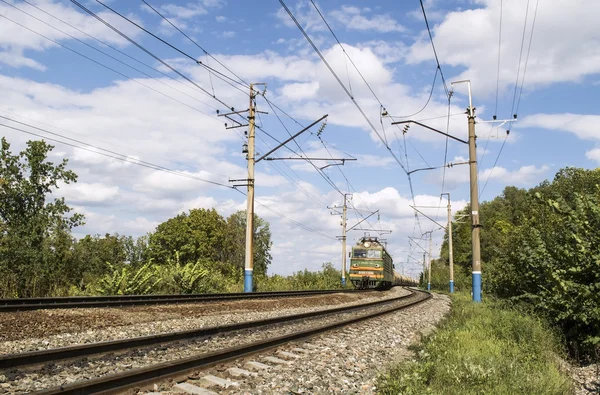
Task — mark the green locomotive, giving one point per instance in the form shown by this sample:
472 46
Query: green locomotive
371 266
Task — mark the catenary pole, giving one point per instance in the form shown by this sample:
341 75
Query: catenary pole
345 209
475 226
429 268
450 252
249 264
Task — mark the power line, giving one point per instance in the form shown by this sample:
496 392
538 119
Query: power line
125 158
434 51
108 153
520 57
522 82
196 44
146 50
499 51
107 67
100 51
527 57
117 50
428 99
170 45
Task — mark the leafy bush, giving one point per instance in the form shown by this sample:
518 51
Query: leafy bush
126 281
482 349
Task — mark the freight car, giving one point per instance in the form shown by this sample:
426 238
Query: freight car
371 266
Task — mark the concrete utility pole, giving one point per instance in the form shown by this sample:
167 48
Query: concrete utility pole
475 226
424 265
344 224
345 209
450 253
429 271
249 265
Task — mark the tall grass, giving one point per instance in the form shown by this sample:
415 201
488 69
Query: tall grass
482 349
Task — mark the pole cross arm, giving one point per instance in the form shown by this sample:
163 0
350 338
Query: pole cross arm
363 220
428 217
432 129
291 138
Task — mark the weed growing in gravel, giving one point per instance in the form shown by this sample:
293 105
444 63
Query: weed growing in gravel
482 349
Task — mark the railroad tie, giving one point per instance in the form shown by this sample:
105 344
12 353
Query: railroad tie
256 366
192 389
277 361
287 355
237 372
214 381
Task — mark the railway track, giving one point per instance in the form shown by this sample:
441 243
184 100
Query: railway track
115 383
23 304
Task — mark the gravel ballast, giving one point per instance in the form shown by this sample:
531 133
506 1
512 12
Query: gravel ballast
25 380
343 361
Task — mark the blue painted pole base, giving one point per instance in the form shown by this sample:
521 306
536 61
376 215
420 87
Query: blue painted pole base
248 281
477 287
343 281
429 286
451 286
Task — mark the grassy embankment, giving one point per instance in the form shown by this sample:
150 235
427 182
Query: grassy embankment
482 349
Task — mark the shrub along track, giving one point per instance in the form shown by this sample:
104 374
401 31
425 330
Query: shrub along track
133 377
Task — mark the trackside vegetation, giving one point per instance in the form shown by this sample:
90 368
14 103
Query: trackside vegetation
485 348
198 251
540 249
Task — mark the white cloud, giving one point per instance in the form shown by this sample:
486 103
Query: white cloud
14 39
593 154
564 30
583 126
354 19
458 176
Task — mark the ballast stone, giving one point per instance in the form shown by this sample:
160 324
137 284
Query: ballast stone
192 389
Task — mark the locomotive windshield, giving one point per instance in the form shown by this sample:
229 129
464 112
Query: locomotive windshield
360 253
373 253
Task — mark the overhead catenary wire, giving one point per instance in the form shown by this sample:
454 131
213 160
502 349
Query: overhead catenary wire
437 60
231 80
132 41
126 158
107 67
516 83
108 153
104 43
102 52
245 84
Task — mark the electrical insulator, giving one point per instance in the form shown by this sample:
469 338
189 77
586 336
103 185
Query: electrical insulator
245 148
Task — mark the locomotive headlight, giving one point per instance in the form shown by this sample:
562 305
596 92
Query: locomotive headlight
367 244
355 265
377 265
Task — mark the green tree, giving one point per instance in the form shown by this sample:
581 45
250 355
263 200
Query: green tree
199 234
236 242
35 242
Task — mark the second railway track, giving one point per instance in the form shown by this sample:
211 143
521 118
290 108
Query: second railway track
25 304
286 329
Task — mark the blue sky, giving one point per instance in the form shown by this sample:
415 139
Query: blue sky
167 121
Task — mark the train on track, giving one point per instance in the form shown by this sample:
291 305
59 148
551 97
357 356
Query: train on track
371 266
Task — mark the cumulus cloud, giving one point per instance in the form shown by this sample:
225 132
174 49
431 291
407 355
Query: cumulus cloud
564 31
353 18
593 154
581 125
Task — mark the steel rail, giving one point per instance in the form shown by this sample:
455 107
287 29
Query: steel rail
8 361
119 382
11 305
